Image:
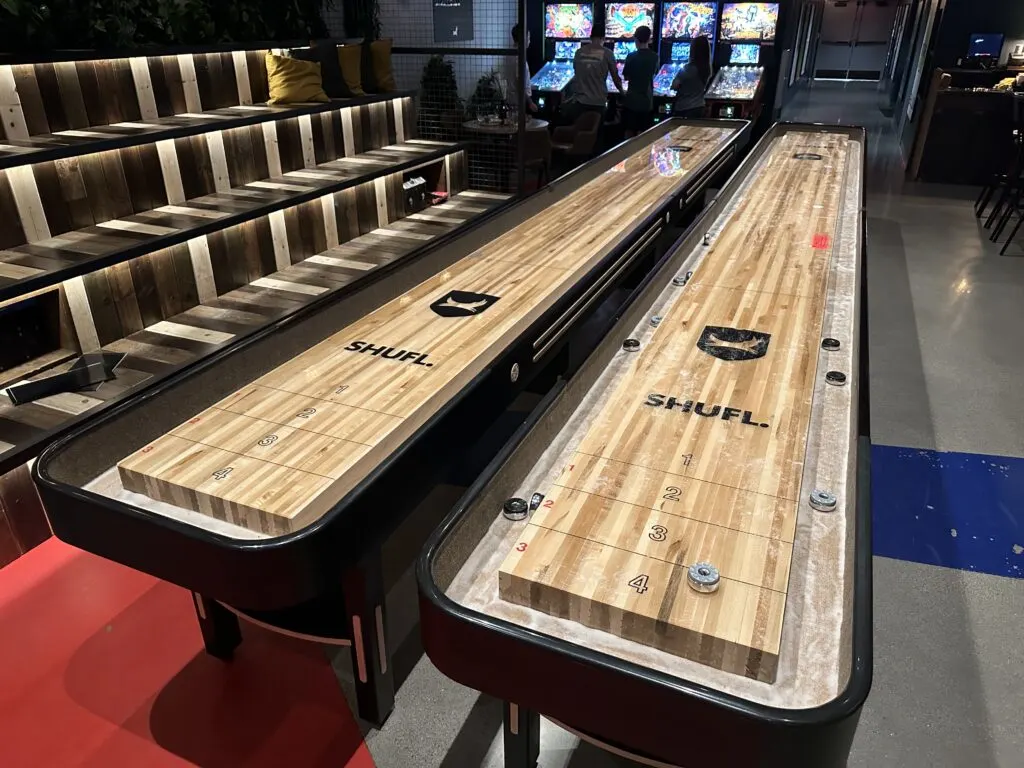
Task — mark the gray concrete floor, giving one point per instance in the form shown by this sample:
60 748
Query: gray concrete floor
946 352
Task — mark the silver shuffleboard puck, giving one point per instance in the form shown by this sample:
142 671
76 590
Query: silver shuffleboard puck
822 500
703 577
515 509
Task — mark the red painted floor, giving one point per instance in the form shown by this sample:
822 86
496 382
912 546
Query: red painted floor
103 666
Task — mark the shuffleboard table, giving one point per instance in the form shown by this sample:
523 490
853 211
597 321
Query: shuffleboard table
273 481
671 558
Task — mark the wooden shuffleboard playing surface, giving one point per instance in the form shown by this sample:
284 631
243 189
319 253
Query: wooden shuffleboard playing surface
280 452
697 455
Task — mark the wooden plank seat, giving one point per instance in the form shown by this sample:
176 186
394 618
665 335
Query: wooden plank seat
177 340
53 110
68 217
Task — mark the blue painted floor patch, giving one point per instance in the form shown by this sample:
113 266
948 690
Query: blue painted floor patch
958 510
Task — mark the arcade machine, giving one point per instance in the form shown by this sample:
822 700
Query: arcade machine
737 88
680 24
621 21
566 26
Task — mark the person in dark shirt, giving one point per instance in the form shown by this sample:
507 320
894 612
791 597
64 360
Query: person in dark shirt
522 80
639 70
591 65
692 81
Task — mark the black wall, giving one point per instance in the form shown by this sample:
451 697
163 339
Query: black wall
962 17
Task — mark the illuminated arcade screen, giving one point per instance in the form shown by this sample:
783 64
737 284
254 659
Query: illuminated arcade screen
686 21
567 21
680 52
623 48
735 83
745 53
622 19
749 21
565 49
611 85
553 76
663 80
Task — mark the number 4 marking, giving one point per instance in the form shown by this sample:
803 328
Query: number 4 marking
639 583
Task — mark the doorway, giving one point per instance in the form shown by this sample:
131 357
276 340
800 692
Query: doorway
856 36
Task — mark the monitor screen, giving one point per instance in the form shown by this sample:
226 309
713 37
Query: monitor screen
665 77
553 76
565 49
749 21
568 21
745 53
622 19
623 48
984 46
611 85
686 21
680 51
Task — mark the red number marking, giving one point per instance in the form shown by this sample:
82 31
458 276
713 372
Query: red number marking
521 546
193 421
147 449
821 242
549 503
572 467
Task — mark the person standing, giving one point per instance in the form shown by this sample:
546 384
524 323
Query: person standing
522 80
692 80
639 70
591 65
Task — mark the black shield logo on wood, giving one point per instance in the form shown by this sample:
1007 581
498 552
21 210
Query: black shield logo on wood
733 343
462 304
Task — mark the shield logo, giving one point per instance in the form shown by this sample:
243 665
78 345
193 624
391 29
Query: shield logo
462 304
733 343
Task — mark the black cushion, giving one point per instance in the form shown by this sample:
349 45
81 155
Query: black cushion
326 53
367 74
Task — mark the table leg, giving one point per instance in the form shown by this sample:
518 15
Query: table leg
371 664
219 626
521 736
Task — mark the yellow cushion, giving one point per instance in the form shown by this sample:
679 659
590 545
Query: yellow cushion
380 50
293 80
350 59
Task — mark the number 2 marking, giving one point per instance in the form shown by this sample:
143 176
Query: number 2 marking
521 546
639 583
658 533
549 503
672 493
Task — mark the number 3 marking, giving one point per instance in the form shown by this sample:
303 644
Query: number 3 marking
521 546
658 532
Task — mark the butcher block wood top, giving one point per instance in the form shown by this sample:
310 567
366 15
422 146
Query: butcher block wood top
697 455
280 452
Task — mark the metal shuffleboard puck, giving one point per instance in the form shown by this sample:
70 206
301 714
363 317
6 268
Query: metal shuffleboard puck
515 509
830 344
703 577
835 378
631 345
822 500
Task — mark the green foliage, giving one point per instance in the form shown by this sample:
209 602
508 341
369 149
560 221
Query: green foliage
31 26
362 18
440 108
488 96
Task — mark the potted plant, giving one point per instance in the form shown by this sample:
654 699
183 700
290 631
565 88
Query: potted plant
488 98
440 108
